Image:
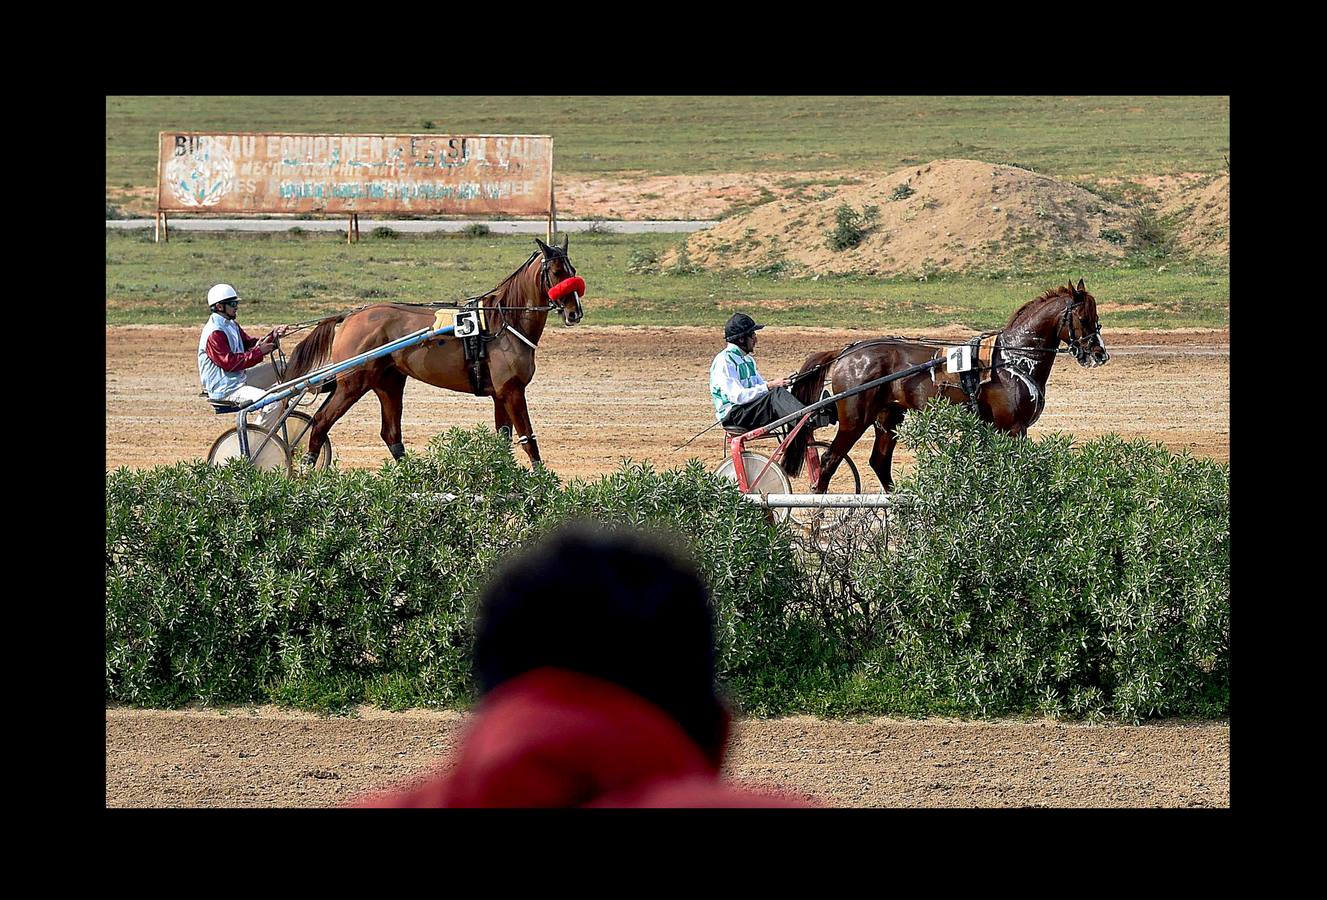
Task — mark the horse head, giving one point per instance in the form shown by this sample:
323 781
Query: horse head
1081 329
554 271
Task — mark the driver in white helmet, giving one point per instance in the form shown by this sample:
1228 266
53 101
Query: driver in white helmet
225 351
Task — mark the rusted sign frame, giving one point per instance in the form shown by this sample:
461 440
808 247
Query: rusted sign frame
337 141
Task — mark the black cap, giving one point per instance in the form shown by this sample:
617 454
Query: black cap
738 326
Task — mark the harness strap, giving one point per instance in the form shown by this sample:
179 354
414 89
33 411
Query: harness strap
477 376
1037 398
525 340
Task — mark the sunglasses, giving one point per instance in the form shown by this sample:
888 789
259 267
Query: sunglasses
231 303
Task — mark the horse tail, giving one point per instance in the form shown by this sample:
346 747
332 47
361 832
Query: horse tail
807 390
314 350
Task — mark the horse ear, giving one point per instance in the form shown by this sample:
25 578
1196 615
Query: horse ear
542 246
1081 287
566 238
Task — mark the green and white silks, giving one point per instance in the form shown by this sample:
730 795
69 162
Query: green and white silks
734 380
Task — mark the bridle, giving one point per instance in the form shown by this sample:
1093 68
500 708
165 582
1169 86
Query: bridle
545 279
1076 341
545 276
545 284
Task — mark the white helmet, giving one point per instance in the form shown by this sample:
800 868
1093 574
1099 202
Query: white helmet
220 292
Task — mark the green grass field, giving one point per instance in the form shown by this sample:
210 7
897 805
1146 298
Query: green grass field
289 277
1070 137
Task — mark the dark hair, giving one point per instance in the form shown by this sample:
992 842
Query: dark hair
620 605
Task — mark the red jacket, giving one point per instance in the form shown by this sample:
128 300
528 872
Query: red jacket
218 350
556 738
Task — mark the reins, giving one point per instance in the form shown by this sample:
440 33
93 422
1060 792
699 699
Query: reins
697 434
444 304
939 344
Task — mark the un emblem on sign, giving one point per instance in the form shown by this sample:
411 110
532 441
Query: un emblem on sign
203 177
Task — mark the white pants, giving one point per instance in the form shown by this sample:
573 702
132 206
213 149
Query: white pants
260 418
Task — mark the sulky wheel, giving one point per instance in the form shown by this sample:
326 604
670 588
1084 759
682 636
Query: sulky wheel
274 457
846 480
773 481
298 425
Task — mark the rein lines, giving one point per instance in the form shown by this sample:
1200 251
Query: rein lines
935 343
436 304
441 304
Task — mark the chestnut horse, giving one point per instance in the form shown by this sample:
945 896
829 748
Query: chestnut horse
517 310
1011 401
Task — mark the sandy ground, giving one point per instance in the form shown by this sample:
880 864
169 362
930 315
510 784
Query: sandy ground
602 394
264 757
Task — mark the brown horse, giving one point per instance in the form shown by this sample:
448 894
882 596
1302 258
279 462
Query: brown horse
1012 400
516 310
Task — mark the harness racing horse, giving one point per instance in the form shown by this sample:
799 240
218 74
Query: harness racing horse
1012 400
516 311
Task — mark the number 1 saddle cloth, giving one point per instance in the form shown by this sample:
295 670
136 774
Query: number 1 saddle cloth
983 347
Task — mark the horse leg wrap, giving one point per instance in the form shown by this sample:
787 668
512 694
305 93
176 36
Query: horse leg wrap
526 439
309 460
505 431
398 450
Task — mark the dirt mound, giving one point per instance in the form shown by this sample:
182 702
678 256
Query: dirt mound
686 196
949 215
1200 213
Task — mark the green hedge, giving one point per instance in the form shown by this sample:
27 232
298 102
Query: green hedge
225 584
1036 575
1030 576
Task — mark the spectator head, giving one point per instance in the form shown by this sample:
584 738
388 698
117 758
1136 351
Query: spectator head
620 605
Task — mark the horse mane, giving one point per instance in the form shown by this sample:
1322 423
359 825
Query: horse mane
554 252
504 282
1053 293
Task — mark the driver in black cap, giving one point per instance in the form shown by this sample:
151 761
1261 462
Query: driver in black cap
741 397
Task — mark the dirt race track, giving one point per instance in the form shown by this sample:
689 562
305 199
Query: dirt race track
272 758
605 393
601 394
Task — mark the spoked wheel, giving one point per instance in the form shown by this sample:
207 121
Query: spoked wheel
846 480
273 457
298 428
773 480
